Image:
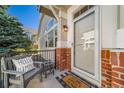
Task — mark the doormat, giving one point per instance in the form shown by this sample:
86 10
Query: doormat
70 80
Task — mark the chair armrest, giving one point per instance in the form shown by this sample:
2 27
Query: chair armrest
12 72
38 62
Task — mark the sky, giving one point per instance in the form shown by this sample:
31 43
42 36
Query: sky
28 15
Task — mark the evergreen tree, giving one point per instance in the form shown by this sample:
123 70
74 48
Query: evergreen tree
11 32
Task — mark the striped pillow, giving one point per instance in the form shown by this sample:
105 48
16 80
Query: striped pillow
29 63
23 65
17 63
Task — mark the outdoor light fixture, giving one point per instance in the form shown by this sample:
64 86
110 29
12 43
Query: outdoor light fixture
65 28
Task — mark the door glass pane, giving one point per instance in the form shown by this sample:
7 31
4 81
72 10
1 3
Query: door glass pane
84 43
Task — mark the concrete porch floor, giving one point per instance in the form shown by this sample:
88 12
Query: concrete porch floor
49 82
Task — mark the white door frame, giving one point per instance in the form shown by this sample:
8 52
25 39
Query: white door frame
96 78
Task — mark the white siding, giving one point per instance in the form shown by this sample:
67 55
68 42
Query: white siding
122 16
109 26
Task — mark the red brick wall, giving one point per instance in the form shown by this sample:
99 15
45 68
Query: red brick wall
63 58
106 68
112 68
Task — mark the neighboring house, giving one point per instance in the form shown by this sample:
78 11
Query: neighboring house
86 39
32 35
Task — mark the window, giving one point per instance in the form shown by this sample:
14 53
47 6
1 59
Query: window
84 9
56 42
51 23
46 44
29 35
55 37
50 39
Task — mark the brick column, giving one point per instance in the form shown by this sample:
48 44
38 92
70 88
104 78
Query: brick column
63 58
106 68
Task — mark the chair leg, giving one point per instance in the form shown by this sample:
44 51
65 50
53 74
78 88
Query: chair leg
45 74
22 81
53 72
41 77
5 81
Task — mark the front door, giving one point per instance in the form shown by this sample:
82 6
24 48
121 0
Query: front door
86 46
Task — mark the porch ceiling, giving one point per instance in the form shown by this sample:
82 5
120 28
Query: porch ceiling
63 7
46 10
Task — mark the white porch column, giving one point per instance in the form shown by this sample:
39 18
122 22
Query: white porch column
61 17
62 36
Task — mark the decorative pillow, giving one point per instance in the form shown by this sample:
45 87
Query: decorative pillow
19 67
29 63
23 65
18 64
